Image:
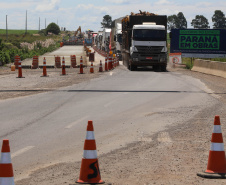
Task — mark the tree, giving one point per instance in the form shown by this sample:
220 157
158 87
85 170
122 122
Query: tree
107 21
53 28
219 19
181 22
171 22
177 21
200 22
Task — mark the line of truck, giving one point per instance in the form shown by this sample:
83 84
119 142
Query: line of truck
137 39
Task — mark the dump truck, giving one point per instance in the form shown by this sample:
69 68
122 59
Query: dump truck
116 37
144 41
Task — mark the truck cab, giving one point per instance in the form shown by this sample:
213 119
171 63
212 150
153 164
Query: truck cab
148 45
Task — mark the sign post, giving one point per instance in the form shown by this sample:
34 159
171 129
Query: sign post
175 58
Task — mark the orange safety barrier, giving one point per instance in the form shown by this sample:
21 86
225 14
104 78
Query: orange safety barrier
35 62
73 61
57 62
89 172
216 167
6 167
16 61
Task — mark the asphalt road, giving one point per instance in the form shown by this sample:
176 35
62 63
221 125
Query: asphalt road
125 106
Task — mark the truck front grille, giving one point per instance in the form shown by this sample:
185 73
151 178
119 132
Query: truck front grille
145 50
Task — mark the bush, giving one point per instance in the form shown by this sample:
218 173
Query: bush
53 28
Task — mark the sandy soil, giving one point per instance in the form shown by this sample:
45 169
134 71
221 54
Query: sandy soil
173 156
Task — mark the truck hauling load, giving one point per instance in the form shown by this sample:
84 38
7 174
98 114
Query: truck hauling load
116 37
144 41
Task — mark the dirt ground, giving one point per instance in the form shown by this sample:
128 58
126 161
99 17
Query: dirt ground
173 156
12 87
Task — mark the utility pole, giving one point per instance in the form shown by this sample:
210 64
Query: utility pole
6 29
45 23
26 24
39 24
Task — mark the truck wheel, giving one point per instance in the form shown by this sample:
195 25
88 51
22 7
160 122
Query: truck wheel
163 68
157 68
132 67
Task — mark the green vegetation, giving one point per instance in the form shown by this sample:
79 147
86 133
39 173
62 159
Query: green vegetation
25 45
18 32
53 28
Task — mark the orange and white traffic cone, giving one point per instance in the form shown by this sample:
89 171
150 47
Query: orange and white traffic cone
113 62
100 68
81 66
216 167
91 67
63 67
44 68
6 167
117 61
109 63
89 172
106 63
20 70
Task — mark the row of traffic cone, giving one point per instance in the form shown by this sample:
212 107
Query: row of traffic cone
20 75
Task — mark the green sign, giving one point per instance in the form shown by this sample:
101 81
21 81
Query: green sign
199 39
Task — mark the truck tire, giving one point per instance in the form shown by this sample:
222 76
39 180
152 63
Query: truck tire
163 68
132 67
157 68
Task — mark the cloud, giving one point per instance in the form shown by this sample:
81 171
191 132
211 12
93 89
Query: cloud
47 5
89 14
118 1
163 2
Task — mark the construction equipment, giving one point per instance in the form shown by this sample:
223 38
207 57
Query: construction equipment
78 31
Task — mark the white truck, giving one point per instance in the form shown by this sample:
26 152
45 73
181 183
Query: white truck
144 41
116 37
106 39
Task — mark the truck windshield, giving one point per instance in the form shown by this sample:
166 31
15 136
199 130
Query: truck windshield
149 35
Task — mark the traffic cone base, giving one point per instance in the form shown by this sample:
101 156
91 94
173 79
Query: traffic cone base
215 162
90 167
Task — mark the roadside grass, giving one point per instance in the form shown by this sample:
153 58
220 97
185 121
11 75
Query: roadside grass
18 32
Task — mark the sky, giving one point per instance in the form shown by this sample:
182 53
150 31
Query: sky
89 13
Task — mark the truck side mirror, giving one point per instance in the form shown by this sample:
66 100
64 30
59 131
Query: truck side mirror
114 37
